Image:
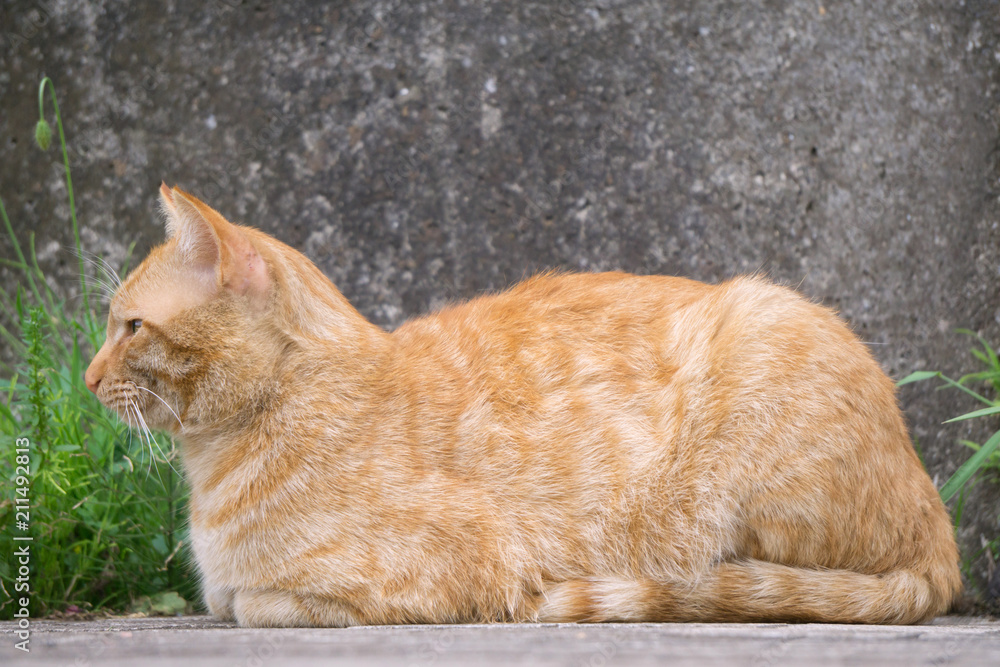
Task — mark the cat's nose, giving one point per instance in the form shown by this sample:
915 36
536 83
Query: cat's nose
95 372
92 380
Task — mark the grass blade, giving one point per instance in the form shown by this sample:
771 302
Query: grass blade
977 413
918 376
969 468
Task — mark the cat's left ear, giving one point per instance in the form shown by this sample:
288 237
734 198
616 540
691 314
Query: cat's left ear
210 243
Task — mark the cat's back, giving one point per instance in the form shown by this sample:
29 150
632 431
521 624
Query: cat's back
655 352
552 306
616 313
649 355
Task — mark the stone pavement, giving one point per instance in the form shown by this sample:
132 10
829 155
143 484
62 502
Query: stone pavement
198 640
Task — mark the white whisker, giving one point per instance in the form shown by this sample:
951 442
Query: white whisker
99 263
131 429
144 431
150 440
143 443
106 287
161 401
128 419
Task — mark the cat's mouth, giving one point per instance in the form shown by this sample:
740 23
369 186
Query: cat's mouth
133 403
125 399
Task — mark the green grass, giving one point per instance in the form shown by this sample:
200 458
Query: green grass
105 507
986 457
985 461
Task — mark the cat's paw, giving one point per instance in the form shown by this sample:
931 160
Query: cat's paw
270 609
283 609
220 603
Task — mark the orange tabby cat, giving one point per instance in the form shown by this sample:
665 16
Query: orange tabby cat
597 447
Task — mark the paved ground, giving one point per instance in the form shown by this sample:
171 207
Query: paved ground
198 640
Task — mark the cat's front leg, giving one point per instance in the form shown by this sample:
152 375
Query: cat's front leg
284 609
219 600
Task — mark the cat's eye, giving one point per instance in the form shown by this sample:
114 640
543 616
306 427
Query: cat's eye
134 325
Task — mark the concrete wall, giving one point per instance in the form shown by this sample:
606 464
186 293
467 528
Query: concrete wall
428 151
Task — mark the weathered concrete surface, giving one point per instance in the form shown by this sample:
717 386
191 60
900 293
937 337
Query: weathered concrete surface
194 641
426 151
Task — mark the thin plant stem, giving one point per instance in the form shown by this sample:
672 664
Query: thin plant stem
69 188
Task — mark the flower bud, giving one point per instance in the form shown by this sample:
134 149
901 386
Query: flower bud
43 134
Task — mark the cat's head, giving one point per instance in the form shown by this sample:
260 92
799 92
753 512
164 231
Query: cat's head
187 329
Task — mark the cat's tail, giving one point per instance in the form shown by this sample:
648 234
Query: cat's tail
754 590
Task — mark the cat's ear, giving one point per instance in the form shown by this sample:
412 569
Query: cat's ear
210 243
166 204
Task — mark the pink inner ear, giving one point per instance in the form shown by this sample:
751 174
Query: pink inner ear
245 271
197 239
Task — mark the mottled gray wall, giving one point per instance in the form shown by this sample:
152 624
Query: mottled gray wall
422 152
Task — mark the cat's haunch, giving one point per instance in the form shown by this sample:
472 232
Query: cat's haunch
596 447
